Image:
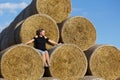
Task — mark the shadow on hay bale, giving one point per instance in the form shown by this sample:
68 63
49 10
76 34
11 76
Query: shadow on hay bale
47 72
78 30
104 61
118 78
68 62
21 62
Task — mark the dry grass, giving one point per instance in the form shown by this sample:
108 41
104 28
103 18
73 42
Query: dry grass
68 62
21 62
104 61
28 29
91 78
80 31
49 78
59 10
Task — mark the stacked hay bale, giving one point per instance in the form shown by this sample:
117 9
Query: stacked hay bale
104 61
52 8
21 62
59 10
37 15
78 30
26 30
68 62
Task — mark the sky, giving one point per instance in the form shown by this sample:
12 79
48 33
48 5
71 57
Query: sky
104 15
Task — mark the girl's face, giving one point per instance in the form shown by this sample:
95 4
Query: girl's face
42 33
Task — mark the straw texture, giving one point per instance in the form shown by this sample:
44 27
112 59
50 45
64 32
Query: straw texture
91 78
68 62
104 61
59 10
28 29
21 62
80 31
49 78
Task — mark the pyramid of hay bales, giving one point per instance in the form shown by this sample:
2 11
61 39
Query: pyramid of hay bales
76 57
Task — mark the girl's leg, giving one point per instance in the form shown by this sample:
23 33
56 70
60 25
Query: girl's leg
47 58
44 59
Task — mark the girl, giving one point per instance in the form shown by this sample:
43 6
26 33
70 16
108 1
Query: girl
40 41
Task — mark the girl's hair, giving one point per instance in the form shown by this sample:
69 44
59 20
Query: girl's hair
38 31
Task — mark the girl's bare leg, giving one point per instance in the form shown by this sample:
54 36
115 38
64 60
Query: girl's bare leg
47 58
44 59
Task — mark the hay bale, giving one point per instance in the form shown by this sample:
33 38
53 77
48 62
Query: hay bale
59 10
80 31
104 61
7 38
68 62
91 78
21 62
27 30
49 78
2 34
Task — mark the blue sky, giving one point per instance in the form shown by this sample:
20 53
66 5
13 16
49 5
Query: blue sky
105 15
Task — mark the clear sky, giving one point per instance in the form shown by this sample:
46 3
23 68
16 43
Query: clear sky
105 16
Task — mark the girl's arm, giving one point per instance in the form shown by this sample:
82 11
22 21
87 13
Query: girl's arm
29 41
52 42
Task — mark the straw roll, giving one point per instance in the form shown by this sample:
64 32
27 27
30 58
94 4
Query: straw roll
104 61
27 30
80 31
59 10
21 62
7 38
68 62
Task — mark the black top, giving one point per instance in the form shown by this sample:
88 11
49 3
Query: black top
40 43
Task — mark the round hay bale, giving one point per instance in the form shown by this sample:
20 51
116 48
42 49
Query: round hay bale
59 10
21 62
49 78
28 29
104 61
2 34
8 38
91 78
80 31
68 62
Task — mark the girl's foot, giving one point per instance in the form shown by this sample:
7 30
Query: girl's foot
46 65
